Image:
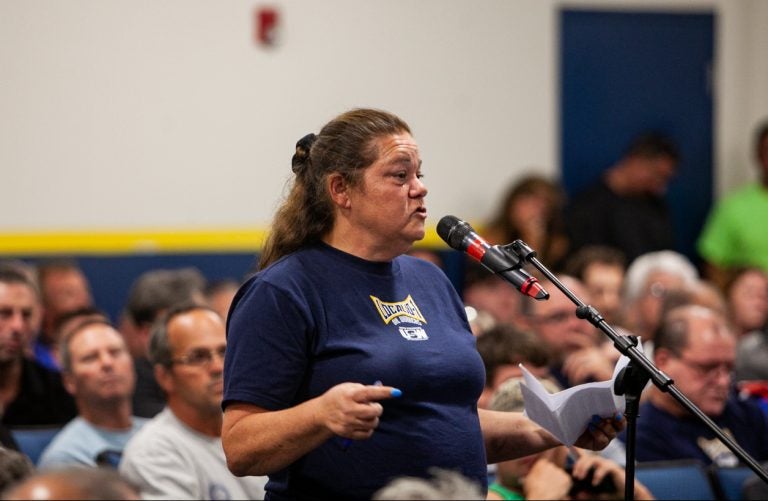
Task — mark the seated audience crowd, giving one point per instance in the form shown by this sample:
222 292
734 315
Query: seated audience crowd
130 412
136 405
559 473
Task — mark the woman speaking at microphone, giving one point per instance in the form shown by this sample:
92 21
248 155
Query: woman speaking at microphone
348 362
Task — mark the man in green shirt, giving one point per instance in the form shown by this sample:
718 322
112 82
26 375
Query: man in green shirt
736 231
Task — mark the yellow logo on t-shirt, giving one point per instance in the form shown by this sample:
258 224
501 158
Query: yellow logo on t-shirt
405 308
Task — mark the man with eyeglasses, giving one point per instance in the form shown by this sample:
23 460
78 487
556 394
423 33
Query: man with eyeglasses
649 280
178 454
696 347
151 294
97 370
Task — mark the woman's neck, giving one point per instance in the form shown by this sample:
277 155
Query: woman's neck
353 241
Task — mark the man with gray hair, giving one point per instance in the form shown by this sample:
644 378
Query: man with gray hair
178 454
444 485
73 483
649 279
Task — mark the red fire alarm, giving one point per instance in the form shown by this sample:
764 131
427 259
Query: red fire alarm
267 22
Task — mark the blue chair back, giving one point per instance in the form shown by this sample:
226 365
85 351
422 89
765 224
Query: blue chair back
730 481
684 479
32 441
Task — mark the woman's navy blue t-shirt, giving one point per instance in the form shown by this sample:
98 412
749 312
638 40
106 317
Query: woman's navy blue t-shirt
320 317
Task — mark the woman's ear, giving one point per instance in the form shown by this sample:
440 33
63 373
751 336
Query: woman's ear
339 190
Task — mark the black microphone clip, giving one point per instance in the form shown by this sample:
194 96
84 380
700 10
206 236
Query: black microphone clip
498 259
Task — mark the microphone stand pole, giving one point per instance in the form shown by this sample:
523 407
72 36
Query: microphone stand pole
632 379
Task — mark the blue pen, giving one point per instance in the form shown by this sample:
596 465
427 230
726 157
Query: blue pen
347 442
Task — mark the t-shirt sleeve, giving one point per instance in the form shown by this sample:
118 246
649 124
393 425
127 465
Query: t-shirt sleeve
268 347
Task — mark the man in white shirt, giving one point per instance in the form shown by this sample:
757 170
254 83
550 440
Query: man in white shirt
178 454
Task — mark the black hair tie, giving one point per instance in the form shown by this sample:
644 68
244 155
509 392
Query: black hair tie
301 156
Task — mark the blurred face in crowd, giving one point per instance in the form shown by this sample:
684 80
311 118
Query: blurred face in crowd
63 290
556 323
603 282
707 294
653 174
222 299
648 306
194 382
533 208
101 368
497 297
702 370
18 307
748 300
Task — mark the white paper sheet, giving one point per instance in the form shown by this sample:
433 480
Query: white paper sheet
566 414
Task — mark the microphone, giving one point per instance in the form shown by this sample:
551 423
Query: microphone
461 236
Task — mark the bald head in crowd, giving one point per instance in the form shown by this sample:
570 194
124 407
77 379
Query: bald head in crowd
73 483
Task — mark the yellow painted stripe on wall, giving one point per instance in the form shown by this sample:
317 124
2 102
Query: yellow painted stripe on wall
147 242
132 242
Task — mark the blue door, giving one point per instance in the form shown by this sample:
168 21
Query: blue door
623 73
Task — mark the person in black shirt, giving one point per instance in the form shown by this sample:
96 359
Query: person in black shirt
30 394
626 208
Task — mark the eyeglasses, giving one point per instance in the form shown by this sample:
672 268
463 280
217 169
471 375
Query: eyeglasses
657 290
709 370
200 357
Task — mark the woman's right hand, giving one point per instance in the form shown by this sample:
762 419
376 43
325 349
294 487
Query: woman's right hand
259 441
352 410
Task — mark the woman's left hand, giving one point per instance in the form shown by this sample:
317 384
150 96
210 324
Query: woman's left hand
600 432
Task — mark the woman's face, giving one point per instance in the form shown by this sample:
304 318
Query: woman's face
530 208
387 208
749 300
